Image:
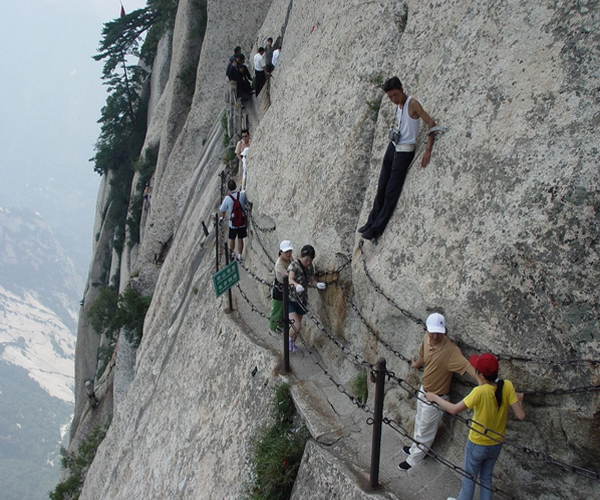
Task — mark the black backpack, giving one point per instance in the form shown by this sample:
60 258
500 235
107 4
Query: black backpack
238 218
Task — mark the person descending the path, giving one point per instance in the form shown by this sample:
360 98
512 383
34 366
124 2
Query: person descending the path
301 273
489 401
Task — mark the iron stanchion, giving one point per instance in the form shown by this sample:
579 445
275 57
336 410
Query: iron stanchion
286 325
217 238
377 421
228 291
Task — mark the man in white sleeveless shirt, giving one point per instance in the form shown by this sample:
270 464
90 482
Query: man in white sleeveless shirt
398 157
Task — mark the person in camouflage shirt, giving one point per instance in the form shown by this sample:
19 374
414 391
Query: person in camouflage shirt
301 273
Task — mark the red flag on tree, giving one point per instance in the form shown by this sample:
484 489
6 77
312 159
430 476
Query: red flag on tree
122 11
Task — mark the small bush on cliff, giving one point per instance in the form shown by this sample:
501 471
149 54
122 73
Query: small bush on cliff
76 464
276 450
112 312
360 387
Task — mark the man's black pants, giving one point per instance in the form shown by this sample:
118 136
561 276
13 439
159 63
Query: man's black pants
391 179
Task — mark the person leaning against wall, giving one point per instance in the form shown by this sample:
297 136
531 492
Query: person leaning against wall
440 358
283 261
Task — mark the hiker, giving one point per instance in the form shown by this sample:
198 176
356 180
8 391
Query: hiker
269 55
259 70
440 358
243 143
281 266
236 52
276 53
242 78
398 157
301 272
490 401
235 205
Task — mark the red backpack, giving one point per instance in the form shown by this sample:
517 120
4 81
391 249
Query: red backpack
238 218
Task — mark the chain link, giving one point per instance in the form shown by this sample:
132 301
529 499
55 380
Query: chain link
397 426
500 356
495 436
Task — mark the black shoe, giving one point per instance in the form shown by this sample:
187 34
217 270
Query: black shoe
406 450
369 235
404 466
362 229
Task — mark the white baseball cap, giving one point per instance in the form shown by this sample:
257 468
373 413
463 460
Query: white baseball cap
285 246
436 323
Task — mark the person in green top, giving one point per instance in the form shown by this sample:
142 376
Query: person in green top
490 401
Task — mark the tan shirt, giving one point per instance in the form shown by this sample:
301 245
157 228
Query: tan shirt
440 362
281 269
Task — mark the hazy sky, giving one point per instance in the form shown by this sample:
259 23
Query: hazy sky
51 96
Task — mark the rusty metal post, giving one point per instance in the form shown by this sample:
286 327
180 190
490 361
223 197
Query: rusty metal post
228 291
286 325
377 421
217 238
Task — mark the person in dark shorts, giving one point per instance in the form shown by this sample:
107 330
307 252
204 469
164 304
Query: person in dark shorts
228 206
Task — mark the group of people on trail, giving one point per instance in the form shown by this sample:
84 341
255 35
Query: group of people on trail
490 400
264 62
301 274
438 355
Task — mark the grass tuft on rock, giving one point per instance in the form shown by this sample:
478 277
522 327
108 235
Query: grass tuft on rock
275 451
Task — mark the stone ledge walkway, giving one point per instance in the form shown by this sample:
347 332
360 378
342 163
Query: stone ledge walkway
334 421
337 425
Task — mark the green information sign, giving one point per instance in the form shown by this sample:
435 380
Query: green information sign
226 278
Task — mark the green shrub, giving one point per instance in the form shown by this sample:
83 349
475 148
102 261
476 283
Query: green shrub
275 451
360 387
77 464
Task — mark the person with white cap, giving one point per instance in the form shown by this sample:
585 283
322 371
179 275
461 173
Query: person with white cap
440 357
283 261
489 401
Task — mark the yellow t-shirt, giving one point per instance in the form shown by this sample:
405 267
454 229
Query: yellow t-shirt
486 412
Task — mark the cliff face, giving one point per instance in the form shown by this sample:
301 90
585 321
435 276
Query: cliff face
499 232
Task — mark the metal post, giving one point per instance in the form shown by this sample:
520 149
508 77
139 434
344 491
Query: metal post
228 291
286 325
377 421
217 238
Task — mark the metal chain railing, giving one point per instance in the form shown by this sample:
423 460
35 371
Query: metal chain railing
411 389
340 387
495 436
500 356
397 426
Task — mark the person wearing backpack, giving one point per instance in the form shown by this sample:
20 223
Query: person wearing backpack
235 205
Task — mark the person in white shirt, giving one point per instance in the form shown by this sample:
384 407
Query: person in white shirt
275 56
259 69
398 157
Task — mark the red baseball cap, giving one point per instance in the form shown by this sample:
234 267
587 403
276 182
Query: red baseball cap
486 364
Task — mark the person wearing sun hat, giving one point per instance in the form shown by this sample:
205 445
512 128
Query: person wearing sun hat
489 401
440 358
283 261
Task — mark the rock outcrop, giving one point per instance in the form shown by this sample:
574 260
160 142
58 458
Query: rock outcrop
499 232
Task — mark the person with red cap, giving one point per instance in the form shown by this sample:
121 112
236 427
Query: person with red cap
440 358
489 401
